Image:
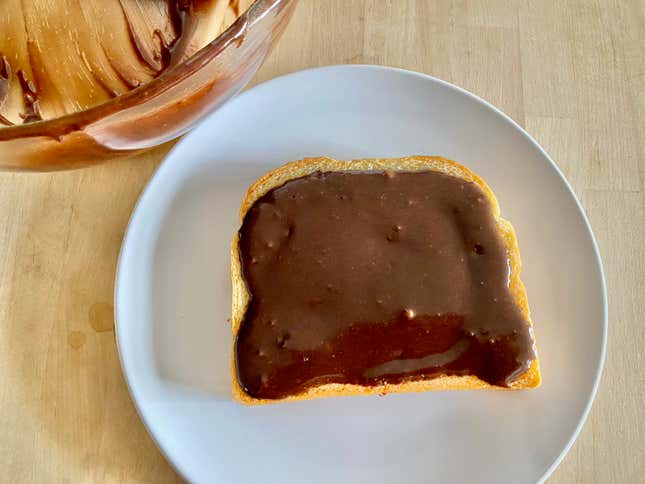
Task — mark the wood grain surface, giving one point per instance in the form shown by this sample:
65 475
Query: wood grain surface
571 71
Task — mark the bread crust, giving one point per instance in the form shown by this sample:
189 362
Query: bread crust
529 379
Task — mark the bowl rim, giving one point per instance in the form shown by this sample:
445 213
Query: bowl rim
79 120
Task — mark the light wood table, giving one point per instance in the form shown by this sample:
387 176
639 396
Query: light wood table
571 72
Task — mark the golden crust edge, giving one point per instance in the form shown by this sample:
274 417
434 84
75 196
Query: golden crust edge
531 378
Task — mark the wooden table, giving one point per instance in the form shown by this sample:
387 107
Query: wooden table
571 72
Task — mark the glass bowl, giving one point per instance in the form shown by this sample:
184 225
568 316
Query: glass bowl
156 112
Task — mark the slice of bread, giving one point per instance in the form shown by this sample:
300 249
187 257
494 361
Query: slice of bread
529 379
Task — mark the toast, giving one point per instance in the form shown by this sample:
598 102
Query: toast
291 171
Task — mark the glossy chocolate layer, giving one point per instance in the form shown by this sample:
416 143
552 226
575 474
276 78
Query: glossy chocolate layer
374 278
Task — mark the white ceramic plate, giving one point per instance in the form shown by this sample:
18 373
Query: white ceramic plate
173 294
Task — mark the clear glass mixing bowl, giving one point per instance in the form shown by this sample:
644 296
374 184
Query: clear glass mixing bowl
156 112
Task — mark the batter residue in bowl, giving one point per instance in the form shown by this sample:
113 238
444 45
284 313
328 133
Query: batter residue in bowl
63 56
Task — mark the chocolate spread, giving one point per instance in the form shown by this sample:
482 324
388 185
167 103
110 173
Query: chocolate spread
373 277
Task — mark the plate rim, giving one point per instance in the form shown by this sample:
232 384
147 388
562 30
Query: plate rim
163 166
